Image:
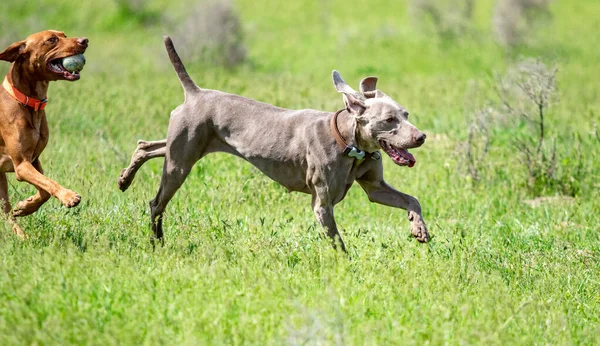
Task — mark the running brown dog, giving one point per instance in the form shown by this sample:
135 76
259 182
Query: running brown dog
36 61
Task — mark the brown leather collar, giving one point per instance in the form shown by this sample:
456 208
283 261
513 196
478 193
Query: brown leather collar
348 150
37 105
336 132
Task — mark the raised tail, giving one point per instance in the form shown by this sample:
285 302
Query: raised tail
185 79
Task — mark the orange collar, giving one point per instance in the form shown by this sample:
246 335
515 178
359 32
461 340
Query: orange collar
37 105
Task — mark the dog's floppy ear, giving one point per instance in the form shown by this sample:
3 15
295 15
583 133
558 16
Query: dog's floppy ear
355 103
11 53
368 87
368 84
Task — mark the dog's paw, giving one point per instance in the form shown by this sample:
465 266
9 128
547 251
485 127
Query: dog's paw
124 180
21 210
26 207
69 198
420 232
418 228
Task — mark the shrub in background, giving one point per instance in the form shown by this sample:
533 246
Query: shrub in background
476 147
525 94
212 33
514 20
450 18
527 91
137 11
11 30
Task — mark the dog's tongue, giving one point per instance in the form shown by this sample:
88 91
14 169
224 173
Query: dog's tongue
407 156
71 75
400 156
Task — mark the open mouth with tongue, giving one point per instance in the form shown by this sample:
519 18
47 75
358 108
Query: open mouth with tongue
56 66
400 156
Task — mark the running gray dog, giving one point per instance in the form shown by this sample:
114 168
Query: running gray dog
310 151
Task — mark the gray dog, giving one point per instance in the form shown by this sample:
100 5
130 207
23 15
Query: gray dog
310 151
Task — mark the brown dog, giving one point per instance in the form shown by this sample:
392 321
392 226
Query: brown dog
36 61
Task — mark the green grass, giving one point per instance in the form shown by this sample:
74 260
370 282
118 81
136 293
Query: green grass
243 261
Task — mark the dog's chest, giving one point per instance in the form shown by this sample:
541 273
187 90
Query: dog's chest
37 133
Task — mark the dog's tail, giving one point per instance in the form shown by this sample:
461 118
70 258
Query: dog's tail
185 79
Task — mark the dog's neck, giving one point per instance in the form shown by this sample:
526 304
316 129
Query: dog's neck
347 126
25 81
361 140
353 133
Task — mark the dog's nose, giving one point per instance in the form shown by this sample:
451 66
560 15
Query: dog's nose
83 41
420 137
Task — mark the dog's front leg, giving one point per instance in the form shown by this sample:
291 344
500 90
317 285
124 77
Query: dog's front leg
33 203
26 171
380 192
324 212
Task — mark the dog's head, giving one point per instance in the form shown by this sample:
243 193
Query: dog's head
41 55
382 123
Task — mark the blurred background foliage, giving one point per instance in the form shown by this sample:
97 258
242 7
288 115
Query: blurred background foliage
506 91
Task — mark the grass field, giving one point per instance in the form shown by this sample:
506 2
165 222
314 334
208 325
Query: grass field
244 262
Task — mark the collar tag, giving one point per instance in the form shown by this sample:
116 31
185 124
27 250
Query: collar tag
354 152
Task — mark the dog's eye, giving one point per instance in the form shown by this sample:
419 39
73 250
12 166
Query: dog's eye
390 120
52 39
406 114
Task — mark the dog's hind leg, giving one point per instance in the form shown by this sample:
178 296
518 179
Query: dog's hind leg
4 194
6 207
171 180
181 153
144 152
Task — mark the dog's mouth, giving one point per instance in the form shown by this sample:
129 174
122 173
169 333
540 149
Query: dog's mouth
400 156
56 66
